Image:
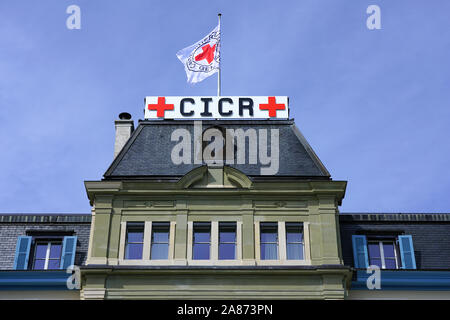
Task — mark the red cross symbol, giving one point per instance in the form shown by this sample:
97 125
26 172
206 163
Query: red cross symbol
272 106
208 53
160 107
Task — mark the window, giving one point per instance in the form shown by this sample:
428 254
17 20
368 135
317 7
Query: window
45 252
294 241
227 240
209 137
383 253
47 255
202 241
160 240
134 241
269 240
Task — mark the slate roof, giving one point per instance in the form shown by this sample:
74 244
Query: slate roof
147 152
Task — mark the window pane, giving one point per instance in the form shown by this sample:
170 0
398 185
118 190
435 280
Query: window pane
201 251
160 241
374 250
160 236
202 231
294 232
294 251
227 236
227 251
388 249
53 264
227 240
135 236
160 232
269 251
135 232
227 232
269 236
294 237
133 251
55 251
269 240
375 262
390 264
159 251
134 241
269 232
201 236
39 264
41 250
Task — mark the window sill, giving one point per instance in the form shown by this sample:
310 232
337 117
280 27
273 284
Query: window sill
184 262
166 262
283 262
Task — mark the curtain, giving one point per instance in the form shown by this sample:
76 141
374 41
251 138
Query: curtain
294 251
269 251
160 251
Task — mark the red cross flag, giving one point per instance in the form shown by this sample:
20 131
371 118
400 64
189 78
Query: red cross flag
202 59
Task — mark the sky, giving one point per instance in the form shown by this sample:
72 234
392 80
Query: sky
373 104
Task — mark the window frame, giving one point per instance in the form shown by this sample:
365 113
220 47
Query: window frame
380 242
302 242
214 248
135 225
273 225
49 241
282 248
202 224
156 225
228 224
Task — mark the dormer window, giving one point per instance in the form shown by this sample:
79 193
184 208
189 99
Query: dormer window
383 253
47 255
45 251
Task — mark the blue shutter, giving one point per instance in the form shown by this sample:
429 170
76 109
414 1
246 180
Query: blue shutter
360 256
22 253
68 252
407 252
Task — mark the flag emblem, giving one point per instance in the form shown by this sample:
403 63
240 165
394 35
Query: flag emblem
202 59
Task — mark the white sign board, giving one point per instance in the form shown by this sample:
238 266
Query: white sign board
262 107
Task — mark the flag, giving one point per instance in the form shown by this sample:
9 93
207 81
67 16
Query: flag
202 59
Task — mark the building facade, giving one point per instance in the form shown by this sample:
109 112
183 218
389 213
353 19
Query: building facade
203 224
199 228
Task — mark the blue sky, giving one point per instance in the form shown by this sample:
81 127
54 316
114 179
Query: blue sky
374 104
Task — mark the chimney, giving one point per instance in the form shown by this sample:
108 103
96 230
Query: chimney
124 129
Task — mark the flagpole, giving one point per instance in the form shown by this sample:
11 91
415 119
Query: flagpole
218 75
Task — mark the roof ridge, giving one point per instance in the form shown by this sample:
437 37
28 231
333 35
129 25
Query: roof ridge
45 218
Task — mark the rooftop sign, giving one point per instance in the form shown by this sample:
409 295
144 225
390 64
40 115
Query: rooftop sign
261 107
